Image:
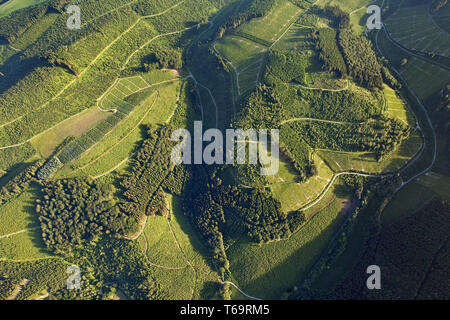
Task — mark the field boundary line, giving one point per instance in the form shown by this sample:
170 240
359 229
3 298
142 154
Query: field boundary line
18 232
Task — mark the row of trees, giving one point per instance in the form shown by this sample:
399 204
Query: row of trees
298 151
362 62
331 56
19 183
162 58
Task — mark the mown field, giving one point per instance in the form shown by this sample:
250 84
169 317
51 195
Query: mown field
271 27
246 59
268 270
156 105
178 256
294 195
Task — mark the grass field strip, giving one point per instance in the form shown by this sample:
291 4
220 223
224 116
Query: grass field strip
157 265
186 258
120 81
296 15
242 67
284 25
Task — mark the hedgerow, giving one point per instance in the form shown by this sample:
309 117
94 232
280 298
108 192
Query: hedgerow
19 183
326 42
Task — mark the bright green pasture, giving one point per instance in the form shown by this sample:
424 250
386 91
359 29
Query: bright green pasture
396 107
347 5
245 57
296 38
18 214
178 256
267 270
294 195
274 24
358 15
20 232
23 246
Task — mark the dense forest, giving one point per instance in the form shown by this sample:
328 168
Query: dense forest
286 66
361 60
261 110
73 212
142 187
326 42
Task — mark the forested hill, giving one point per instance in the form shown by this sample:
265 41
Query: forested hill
88 118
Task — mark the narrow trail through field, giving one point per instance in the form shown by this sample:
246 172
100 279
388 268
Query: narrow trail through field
185 258
319 120
108 150
18 232
125 160
155 264
238 289
325 89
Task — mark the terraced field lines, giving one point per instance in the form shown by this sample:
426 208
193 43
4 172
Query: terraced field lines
89 66
120 140
413 27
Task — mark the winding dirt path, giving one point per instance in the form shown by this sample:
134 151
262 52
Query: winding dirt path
18 232
318 120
